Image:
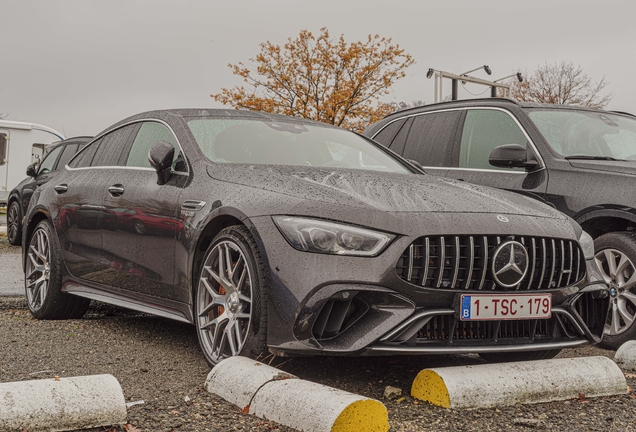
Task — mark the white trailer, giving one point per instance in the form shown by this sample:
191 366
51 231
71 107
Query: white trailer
21 144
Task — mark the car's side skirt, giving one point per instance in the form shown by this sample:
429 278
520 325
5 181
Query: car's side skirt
167 309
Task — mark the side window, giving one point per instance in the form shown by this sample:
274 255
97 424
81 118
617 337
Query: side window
483 131
386 135
49 161
111 146
431 138
67 154
85 157
148 135
3 149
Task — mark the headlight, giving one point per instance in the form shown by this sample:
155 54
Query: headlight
313 235
587 245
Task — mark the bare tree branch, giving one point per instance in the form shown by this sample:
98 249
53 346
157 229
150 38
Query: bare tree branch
561 83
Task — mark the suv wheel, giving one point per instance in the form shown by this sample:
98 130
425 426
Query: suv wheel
230 302
615 256
43 278
14 224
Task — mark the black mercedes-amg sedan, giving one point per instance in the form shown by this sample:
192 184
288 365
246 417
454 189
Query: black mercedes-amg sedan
282 234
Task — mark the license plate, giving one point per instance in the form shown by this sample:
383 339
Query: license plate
505 307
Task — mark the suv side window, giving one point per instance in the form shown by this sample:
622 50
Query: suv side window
85 157
111 146
483 130
386 135
431 138
150 133
49 161
67 154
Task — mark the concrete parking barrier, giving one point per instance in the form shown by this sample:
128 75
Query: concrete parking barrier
272 394
625 356
490 385
62 404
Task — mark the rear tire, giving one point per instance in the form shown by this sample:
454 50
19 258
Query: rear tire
14 224
519 356
616 258
230 300
43 278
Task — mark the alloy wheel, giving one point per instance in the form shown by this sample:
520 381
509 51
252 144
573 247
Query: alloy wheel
13 220
38 269
620 273
224 301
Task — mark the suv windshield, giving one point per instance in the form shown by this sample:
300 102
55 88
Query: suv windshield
279 143
587 134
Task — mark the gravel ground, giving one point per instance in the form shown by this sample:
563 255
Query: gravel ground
158 361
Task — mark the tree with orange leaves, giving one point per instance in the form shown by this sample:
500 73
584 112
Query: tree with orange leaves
321 78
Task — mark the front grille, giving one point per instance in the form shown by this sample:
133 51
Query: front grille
464 262
447 328
592 309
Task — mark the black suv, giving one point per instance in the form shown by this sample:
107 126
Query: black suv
56 156
581 161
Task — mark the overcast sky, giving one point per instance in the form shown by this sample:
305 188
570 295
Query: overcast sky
80 65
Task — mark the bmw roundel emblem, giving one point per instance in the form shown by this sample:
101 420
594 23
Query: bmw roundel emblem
502 218
510 263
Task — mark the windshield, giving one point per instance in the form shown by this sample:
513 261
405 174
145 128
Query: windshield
257 142
574 133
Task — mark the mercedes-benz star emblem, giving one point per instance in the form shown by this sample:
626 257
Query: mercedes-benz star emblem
509 263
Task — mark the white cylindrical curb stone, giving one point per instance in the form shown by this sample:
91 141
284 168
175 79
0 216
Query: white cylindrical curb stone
237 379
312 407
272 394
68 404
625 356
490 385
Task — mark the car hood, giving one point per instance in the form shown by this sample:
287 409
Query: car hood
388 192
622 167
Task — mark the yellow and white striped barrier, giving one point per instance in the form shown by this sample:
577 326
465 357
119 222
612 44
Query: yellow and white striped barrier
272 394
490 385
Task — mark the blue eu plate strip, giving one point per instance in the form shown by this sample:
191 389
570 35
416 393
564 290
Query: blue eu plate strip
466 307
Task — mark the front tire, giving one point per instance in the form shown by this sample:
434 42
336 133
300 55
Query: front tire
519 356
43 278
14 224
230 300
616 258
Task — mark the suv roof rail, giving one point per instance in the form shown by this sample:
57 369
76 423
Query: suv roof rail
490 99
623 112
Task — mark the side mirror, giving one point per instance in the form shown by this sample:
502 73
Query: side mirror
160 157
511 156
32 171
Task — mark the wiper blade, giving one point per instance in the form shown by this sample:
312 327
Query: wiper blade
584 157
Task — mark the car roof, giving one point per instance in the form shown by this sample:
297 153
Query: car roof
494 102
79 139
220 113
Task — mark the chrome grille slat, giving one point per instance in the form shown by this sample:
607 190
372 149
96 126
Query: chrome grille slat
571 266
427 258
465 262
562 263
553 265
442 260
471 259
410 270
457 257
534 263
485 264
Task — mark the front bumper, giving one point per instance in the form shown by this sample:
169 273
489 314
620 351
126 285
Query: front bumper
337 305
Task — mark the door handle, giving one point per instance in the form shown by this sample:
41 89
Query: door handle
61 188
116 190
